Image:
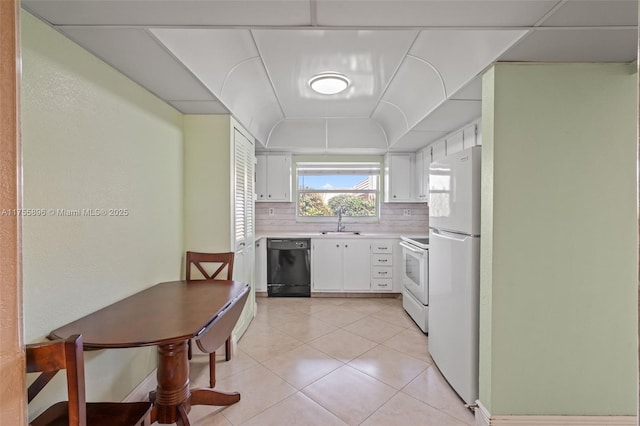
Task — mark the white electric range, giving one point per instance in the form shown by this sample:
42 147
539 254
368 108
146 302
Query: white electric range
415 279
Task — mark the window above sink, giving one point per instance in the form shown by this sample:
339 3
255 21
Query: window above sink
345 192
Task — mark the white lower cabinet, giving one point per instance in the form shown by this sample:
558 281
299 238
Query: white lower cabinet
356 264
261 265
352 265
382 265
326 265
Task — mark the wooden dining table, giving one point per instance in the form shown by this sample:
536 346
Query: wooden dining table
168 315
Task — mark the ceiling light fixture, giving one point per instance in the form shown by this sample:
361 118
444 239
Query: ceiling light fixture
329 83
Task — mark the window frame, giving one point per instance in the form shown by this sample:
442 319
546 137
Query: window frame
376 165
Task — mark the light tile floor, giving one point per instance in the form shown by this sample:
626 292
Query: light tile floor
331 361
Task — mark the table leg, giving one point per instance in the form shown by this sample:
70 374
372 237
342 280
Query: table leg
172 393
205 396
173 398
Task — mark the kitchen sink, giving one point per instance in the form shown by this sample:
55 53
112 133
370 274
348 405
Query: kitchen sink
340 232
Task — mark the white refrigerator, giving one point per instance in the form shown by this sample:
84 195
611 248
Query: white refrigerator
454 268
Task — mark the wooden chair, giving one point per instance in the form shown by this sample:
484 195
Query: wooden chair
220 262
50 357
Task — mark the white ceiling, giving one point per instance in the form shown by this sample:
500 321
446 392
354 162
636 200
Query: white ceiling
415 65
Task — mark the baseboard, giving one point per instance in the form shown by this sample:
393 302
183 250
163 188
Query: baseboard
484 418
141 392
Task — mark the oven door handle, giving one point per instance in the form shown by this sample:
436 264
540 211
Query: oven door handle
411 248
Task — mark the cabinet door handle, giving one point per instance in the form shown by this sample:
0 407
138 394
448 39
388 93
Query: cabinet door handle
382 260
346 245
383 273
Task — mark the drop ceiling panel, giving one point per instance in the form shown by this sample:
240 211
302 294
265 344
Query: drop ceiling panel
363 134
392 121
367 58
305 135
461 55
595 13
576 45
472 91
248 94
435 13
415 140
416 90
173 82
210 54
200 107
451 115
172 12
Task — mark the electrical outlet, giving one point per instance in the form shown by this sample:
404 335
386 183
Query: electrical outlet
407 212
272 212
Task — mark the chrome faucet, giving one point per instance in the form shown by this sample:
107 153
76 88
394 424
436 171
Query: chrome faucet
341 225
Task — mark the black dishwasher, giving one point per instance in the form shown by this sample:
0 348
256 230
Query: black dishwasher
288 267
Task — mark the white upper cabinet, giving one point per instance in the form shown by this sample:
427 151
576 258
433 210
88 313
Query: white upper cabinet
423 159
455 143
463 138
273 178
438 150
398 178
471 136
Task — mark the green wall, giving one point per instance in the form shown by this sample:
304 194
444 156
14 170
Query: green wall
207 183
559 240
92 138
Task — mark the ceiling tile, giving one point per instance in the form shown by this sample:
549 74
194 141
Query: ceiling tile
367 58
471 91
595 13
172 12
432 13
248 94
210 54
360 134
392 120
303 135
451 115
576 45
415 140
200 107
416 90
173 82
461 55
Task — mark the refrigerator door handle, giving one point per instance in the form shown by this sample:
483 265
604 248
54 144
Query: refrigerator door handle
449 235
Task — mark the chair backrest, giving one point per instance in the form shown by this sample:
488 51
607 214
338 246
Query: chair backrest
50 357
221 260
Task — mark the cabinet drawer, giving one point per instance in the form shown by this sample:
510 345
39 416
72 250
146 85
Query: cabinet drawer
381 272
382 247
381 284
382 260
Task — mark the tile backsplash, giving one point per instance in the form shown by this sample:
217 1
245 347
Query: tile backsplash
392 220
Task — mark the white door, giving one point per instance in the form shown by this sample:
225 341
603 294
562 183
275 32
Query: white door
356 265
454 287
327 265
454 192
400 178
278 178
261 178
261 265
